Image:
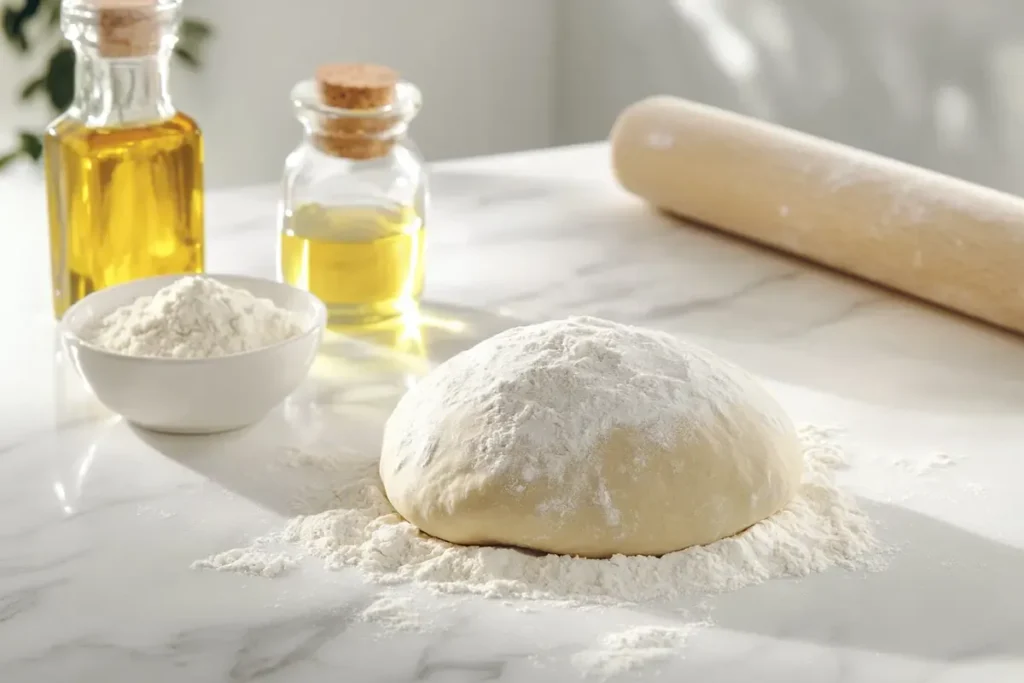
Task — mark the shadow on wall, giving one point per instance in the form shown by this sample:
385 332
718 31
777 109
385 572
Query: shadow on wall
937 84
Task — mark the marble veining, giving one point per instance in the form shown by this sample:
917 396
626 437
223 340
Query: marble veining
100 522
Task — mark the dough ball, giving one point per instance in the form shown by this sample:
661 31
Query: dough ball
587 437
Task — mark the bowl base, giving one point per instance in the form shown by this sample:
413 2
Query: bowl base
186 430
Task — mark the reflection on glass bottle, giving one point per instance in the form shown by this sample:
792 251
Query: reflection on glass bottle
124 168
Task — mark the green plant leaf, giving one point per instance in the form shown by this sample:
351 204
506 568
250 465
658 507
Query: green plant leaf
13 30
194 29
7 158
192 35
32 87
29 9
186 56
14 22
31 144
54 19
60 78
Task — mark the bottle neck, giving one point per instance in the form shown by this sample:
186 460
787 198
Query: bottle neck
121 92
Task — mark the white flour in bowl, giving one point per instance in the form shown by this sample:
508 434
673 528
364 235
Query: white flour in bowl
194 317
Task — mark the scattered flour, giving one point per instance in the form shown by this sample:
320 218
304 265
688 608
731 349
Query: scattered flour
396 614
195 317
820 529
633 649
974 488
928 464
252 561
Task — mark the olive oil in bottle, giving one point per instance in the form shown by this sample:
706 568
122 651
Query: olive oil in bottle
353 211
124 168
364 262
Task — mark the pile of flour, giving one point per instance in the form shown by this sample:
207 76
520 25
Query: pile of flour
820 529
195 317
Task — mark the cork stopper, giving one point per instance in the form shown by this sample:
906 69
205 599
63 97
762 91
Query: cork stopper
356 87
127 28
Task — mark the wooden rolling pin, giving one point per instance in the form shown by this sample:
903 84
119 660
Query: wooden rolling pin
944 240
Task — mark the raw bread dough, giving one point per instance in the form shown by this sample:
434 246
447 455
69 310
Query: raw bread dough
590 438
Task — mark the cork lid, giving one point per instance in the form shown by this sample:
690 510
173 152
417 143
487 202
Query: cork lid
124 28
356 86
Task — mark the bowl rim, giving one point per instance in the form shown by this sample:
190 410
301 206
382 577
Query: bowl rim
316 326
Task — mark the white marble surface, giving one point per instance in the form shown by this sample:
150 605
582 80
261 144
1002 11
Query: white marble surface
99 523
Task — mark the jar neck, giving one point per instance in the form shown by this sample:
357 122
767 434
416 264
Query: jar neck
356 134
355 147
121 92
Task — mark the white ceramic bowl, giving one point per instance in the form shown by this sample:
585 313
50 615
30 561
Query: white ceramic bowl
194 396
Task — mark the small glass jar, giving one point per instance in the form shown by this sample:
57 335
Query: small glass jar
353 212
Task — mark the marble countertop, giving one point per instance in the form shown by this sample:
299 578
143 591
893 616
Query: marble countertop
99 525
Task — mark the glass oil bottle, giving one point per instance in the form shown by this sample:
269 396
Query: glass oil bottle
124 168
353 210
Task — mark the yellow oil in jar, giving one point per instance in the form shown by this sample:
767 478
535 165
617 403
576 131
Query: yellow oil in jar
124 203
364 262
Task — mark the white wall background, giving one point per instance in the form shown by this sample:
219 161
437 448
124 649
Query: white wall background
485 69
939 83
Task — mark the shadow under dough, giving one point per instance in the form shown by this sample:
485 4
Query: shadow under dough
947 594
